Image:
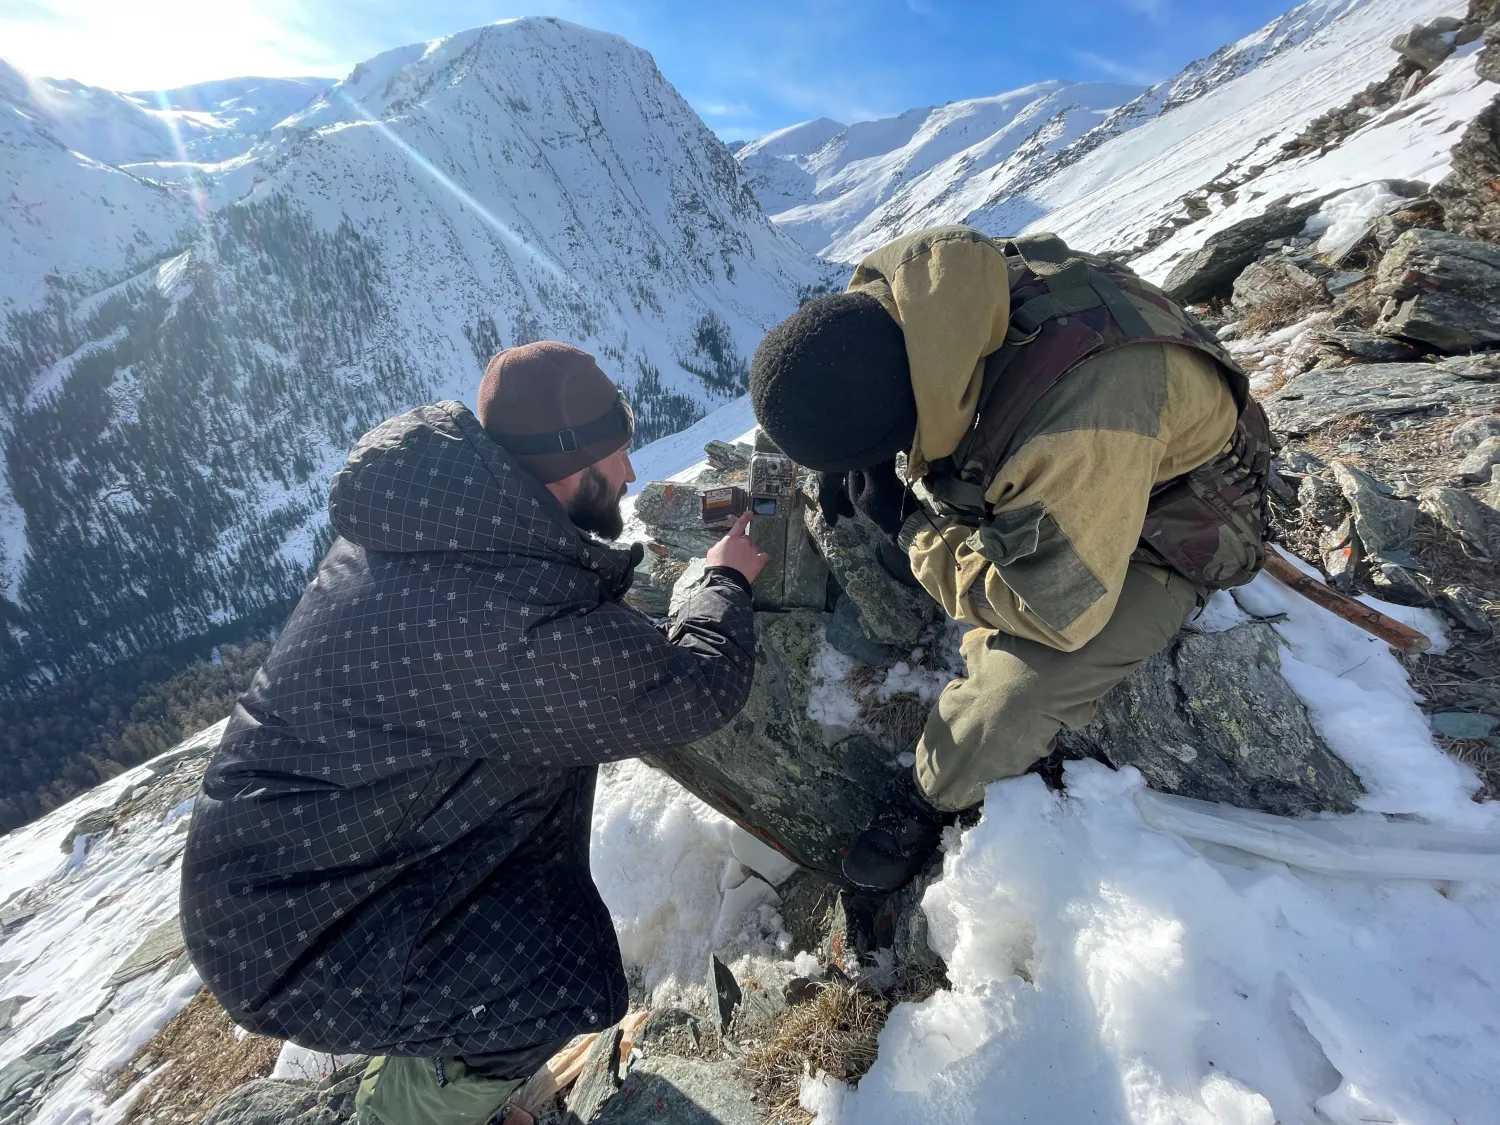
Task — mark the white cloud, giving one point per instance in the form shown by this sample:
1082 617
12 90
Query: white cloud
1121 72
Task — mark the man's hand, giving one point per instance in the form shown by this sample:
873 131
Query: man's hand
737 552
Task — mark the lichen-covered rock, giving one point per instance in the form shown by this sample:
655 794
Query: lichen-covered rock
1382 522
1353 343
773 769
24 1081
728 456
891 613
275 1101
1211 717
1474 431
1427 44
1441 288
1385 390
1454 510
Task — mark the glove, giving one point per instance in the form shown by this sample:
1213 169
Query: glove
877 495
833 497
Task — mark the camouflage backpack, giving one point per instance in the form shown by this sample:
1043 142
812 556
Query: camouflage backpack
1208 524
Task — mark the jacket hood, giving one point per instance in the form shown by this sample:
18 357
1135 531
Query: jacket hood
432 480
949 290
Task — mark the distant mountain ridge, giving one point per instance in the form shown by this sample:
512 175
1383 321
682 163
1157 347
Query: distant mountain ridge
182 370
1056 162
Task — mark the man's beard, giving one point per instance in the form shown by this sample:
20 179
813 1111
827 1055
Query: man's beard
596 507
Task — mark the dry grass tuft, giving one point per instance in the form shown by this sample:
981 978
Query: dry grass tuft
835 1033
206 1060
1284 305
900 718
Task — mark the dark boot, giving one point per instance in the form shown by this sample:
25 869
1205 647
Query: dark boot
899 840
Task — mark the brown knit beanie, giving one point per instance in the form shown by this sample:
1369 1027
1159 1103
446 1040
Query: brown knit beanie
552 409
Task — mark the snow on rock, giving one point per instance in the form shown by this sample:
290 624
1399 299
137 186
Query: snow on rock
670 871
1104 971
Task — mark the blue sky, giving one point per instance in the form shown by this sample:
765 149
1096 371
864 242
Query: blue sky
747 67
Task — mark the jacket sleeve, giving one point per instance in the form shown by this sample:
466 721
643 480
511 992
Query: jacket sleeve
1070 502
605 684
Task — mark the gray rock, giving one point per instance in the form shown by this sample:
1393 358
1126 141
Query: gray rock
890 612
1474 431
1210 271
1489 495
1426 45
1470 204
666 1090
1358 344
1320 502
160 946
274 1101
724 992
1384 391
1276 278
1211 717
655 582
8 1009
1382 522
1476 467
847 635
728 456
1457 512
774 769
1441 288
673 513
1397 581
1464 724
1341 281
1465 610
598 1081
89 824
901 926
669 1029
24 1082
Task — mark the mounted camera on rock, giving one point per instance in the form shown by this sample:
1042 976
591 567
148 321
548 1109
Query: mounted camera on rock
770 492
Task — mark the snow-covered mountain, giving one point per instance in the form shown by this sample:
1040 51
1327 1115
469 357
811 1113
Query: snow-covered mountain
184 362
824 182
1102 165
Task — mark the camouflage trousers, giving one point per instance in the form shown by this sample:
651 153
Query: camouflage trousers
402 1090
1004 716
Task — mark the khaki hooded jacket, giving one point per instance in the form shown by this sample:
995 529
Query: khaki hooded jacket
1083 465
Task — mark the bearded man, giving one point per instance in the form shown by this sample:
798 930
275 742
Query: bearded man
391 851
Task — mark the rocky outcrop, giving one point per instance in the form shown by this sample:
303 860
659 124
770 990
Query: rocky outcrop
1470 195
1210 271
889 612
25 1081
1211 717
1440 288
1384 391
775 770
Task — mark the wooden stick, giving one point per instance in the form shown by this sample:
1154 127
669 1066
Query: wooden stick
1372 621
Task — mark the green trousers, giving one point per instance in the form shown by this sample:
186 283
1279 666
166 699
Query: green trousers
1003 717
401 1090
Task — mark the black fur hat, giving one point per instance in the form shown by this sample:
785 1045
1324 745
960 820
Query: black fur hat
831 386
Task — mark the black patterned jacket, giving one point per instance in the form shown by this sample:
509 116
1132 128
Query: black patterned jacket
391 850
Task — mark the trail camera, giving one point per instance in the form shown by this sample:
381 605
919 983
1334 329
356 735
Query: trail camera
771 491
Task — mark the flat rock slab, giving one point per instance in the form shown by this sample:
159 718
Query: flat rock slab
161 946
24 1082
1469 384
677 1091
1211 717
1441 288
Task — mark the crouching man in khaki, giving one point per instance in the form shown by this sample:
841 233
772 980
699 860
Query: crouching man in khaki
1091 465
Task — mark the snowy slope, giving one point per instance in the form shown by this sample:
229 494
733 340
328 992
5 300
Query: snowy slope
824 188
525 180
1102 969
1105 178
